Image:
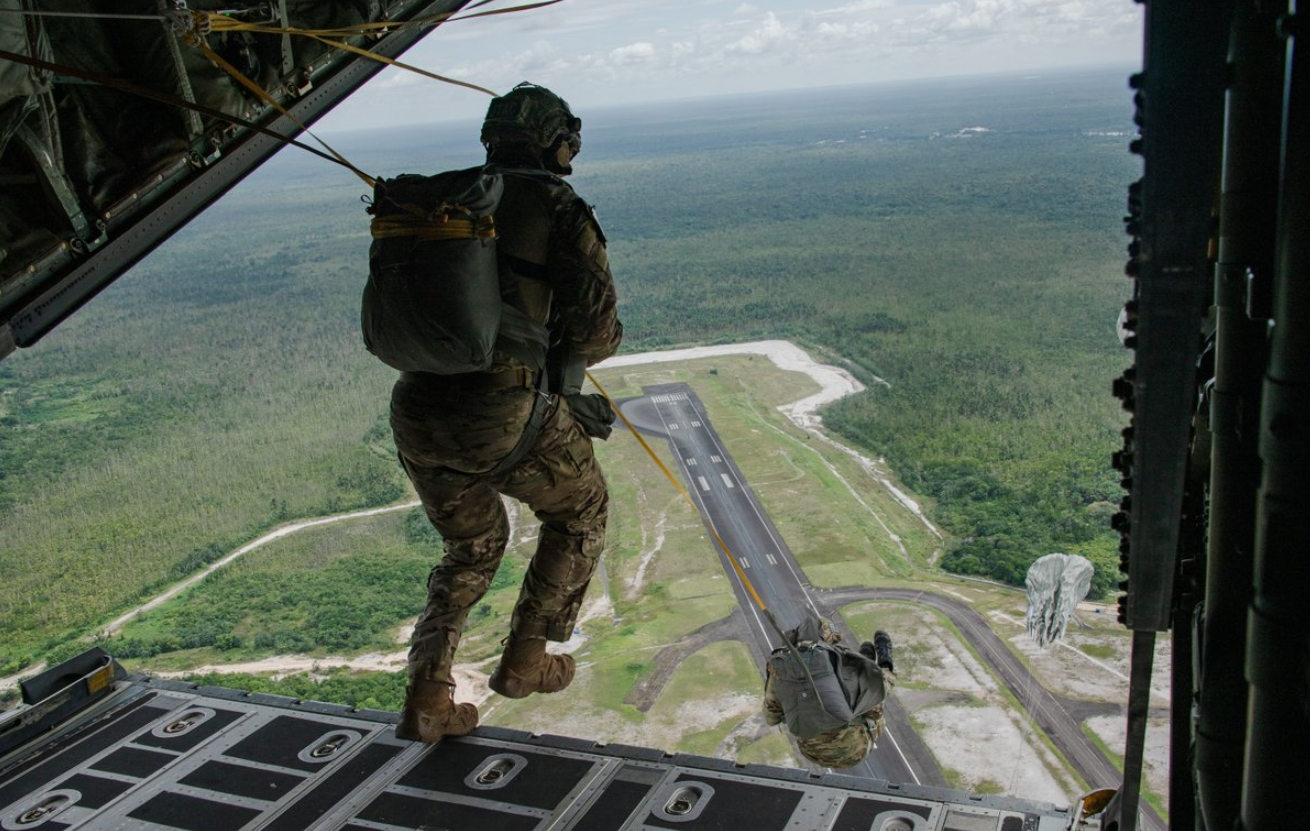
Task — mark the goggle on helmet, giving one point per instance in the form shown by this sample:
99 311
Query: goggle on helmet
529 114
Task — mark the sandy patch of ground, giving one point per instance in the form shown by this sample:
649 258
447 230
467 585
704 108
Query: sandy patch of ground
1090 664
592 608
944 663
960 711
648 554
1113 730
990 749
280 666
470 679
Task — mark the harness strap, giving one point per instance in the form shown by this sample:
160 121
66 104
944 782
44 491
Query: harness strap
477 381
541 404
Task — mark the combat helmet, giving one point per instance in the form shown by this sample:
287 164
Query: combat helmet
531 116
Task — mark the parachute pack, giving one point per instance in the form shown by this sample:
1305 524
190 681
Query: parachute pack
822 686
433 301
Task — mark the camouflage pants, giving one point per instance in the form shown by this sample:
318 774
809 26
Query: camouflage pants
446 446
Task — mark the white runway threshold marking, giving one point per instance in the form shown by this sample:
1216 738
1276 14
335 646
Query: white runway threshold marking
691 462
718 460
704 485
743 562
727 481
772 561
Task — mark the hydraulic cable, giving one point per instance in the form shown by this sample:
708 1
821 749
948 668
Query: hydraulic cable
198 41
161 97
193 26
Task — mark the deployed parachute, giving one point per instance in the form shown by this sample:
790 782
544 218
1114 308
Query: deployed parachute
1056 583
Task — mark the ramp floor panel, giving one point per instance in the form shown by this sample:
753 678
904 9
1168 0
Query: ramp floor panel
69 752
167 756
513 775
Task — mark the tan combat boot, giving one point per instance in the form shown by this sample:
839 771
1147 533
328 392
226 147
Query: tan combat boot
430 712
526 668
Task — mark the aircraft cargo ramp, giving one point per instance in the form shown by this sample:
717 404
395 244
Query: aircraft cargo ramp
156 755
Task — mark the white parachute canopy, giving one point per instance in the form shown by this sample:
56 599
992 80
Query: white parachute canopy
1056 584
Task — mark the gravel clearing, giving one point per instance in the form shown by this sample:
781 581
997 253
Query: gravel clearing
1113 730
991 750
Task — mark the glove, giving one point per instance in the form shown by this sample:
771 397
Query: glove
592 413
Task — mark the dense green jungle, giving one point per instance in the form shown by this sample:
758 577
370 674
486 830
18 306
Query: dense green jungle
956 244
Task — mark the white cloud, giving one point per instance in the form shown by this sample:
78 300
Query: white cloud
399 78
601 51
641 52
768 36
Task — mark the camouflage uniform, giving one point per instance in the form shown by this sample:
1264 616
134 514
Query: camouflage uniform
452 431
842 747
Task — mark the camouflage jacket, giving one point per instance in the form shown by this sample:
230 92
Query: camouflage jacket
554 264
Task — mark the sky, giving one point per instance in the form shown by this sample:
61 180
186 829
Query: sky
597 53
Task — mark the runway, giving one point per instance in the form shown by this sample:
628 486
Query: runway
729 506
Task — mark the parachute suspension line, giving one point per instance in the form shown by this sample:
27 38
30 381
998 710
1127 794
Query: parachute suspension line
1028 728
377 28
199 24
